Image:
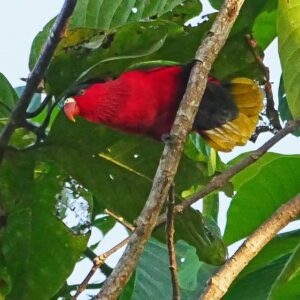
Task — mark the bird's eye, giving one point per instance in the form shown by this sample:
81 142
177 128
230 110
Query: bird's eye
81 92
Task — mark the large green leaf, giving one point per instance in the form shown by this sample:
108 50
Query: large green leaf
251 171
102 54
289 51
152 280
151 41
118 169
105 14
287 283
264 28
257 199
263 270
8 97
283 106
36 246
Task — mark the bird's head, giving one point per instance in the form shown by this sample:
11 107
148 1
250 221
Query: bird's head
71 108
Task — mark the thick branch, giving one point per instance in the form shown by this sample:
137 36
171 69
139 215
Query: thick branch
220 282
167 168
36 76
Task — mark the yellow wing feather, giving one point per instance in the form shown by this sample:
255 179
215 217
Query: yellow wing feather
249 100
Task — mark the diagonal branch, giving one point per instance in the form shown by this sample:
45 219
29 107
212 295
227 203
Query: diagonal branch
98 262
220 180
167 168
18 114
220 282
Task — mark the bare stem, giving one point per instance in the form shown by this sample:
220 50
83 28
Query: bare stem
220 282
171 248
98 262
271 112
36 76
205 56
120 219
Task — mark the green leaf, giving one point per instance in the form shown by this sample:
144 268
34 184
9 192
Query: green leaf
283 107
289 45
5 281
258 198
118 169
211 206
35 244
264 28
153 280
251 171
216 3
287 283
8 97
38 43
263 270
105 14
102 54
104 223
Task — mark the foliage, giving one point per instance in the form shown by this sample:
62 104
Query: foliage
54 187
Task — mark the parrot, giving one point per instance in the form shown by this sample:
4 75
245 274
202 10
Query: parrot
145 102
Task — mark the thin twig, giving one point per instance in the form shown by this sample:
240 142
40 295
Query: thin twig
41 132
120 219
220 180
45 102
36 76
170 240
271 112
98 262
221 281
205 56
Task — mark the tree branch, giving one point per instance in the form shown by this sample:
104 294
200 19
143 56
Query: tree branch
120 219
271 112
220 180
36 76
205 56
98 262
170 240
221 281
45 102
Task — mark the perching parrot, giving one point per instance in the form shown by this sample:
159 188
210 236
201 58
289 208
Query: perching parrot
145 102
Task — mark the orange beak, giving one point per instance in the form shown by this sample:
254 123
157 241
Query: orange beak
71 109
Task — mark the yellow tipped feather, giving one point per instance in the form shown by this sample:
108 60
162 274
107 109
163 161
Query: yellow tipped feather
249 100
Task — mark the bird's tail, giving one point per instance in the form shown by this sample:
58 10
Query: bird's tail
248 98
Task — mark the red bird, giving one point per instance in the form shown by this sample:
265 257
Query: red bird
145 102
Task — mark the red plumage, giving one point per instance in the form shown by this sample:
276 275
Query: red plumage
146 101
141 102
